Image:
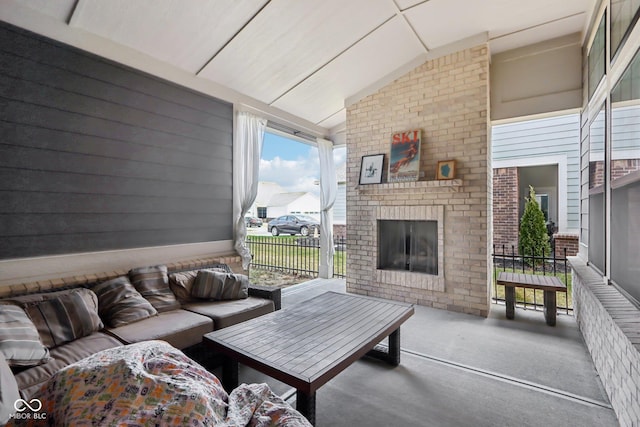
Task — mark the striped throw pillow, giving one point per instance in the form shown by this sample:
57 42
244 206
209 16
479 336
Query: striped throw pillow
19 340
153 284
70 315
182 282
220 286
120 304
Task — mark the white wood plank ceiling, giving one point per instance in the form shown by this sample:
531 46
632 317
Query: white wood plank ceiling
306 57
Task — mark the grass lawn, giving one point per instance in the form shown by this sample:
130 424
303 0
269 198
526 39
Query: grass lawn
289 254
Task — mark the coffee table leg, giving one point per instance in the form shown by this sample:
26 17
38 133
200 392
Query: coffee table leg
229 374
306 405
392 354
394 348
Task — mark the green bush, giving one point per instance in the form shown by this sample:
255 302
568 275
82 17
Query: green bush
534 240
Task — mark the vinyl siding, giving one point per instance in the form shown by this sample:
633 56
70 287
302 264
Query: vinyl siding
97 156
554 136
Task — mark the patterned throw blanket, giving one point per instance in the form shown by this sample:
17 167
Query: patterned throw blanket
154 384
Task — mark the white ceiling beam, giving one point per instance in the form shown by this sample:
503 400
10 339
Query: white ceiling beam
233 37
330 61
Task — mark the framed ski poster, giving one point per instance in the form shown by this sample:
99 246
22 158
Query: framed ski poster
404 158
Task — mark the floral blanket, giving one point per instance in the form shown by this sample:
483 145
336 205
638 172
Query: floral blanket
154 384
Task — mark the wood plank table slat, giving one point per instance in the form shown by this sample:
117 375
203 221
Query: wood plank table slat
308 344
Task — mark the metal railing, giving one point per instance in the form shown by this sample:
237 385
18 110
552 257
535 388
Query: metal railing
294 254
532 264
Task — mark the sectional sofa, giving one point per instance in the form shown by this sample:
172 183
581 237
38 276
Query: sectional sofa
70 321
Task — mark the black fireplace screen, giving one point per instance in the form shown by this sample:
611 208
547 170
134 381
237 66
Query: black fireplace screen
408 246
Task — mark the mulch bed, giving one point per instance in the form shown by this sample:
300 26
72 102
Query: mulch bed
277 279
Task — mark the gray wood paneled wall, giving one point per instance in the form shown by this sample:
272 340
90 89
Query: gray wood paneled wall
97 156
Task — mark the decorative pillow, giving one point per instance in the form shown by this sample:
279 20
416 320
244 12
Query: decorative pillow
153 284
120 304
220 286
19 340
182 282
71 315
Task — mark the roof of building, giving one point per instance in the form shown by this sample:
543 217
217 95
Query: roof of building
284 199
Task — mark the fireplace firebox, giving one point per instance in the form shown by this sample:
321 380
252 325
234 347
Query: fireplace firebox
408 245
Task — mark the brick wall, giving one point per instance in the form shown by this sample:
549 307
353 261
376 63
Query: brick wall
566 241
505 209
447 98
609 324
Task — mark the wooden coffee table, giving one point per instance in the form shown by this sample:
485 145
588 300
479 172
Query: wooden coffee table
308 344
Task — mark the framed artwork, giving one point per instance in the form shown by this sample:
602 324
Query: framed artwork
446 169
404 160
371 169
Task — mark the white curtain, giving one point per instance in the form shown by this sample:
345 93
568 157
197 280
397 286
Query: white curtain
247 147
328 191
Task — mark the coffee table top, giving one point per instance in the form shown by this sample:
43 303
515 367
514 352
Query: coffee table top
308 344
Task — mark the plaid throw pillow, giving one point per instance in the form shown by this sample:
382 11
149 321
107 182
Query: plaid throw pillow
153 284
220 286
120 304
19 340
67 317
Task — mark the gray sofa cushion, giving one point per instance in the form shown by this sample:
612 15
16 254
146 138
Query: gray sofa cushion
179 328
227 313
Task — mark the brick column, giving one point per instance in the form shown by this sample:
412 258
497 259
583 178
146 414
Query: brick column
568 241
505 208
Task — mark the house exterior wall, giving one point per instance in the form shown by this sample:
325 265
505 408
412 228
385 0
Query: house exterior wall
448 99
505 209
520 78
100 157
607 319
340 205
539 142
307 204
105 168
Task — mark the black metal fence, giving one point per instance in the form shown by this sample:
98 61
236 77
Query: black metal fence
510 260
294 254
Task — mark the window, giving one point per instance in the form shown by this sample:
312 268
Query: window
597 193
262 212
625 180
543 202
597 57
624 14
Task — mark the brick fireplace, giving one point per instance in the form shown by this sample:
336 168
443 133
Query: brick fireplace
447 99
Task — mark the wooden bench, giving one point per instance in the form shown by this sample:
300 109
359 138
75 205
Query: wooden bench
549 284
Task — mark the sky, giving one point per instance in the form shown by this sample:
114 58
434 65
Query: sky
293 165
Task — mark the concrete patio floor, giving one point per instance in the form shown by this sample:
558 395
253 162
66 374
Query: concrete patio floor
463 370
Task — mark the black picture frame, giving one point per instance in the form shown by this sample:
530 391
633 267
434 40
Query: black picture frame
371 169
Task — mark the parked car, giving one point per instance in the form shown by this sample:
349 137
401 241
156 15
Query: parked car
252 221
293 224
